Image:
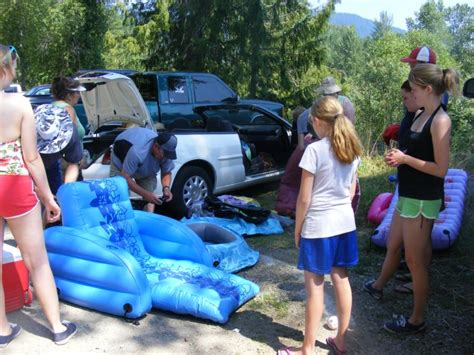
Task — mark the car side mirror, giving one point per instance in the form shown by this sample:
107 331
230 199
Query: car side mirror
468 89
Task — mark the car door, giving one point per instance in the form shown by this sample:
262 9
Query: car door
270 136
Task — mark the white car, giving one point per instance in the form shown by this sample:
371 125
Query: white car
14 88
230 147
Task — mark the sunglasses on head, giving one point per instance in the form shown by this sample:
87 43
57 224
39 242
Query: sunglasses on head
12 52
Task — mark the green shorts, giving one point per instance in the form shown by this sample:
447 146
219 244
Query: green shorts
412 208
148 183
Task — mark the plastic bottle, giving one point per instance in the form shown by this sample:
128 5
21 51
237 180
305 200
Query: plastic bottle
197 209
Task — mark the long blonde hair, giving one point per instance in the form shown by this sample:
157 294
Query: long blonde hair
7 62
440 80
344 140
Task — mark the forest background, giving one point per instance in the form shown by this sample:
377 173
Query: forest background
270 49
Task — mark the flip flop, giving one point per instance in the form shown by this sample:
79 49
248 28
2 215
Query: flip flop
403 277
332 344
404 288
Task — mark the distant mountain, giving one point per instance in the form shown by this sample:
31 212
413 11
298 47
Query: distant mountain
363 26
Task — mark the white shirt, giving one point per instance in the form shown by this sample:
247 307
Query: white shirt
330 212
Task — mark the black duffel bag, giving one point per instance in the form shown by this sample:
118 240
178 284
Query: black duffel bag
249 213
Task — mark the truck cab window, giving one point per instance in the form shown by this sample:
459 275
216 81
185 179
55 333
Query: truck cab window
210 89
146 85
177 90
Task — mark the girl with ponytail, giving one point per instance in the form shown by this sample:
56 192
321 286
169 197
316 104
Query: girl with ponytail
421 170
325 225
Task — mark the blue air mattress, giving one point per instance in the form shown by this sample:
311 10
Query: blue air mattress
113 259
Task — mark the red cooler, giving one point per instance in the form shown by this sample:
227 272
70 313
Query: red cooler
15 279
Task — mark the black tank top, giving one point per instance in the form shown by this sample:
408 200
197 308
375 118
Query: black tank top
414 183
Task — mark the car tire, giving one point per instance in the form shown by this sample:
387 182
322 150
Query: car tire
191 185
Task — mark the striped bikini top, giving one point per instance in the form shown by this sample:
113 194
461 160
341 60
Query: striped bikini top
11 158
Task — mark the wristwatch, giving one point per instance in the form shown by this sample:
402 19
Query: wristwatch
165 187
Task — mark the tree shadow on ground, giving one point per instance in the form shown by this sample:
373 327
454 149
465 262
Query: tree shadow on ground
263 329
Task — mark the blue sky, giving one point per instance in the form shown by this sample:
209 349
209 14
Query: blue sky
399 9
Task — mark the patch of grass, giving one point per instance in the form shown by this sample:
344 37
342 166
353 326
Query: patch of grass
373 179
272 303
280 241
451 298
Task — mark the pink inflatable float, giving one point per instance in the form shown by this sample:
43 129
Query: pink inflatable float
446 227
378 208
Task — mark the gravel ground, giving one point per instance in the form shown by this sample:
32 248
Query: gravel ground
275 318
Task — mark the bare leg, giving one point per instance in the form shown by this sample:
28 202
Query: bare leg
417 240
71 173
28 234
314 285
4 325
428 253
394 252
342 287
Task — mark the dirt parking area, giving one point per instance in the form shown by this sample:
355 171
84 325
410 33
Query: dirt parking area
275 318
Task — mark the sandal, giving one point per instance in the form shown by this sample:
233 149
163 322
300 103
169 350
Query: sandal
7 339
332 344
406 288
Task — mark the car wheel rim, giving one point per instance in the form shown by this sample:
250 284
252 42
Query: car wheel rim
195 189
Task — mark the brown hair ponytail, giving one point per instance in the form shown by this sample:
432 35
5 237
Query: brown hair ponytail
440 80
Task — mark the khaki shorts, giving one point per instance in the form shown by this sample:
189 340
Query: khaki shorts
412 208
148 183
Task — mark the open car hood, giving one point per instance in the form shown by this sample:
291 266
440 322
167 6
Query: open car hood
113 98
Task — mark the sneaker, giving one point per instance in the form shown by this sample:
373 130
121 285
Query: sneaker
7 339
63 337
402 326
369 288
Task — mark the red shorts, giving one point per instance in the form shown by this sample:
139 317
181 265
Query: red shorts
17 195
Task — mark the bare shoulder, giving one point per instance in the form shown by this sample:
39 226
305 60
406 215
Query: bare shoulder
19 99
71 111
441 121
23 102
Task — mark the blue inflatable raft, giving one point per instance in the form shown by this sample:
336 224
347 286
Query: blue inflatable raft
110 258
229 250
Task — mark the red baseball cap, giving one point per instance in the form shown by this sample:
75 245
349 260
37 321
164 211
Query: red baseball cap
421 54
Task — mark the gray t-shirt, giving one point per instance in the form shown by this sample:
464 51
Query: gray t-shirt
303 123
139 163
348 108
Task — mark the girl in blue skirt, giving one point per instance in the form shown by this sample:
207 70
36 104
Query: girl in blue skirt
325 224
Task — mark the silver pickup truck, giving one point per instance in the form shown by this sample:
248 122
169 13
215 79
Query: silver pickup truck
228 147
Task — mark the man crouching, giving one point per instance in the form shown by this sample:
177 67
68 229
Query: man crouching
138 154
